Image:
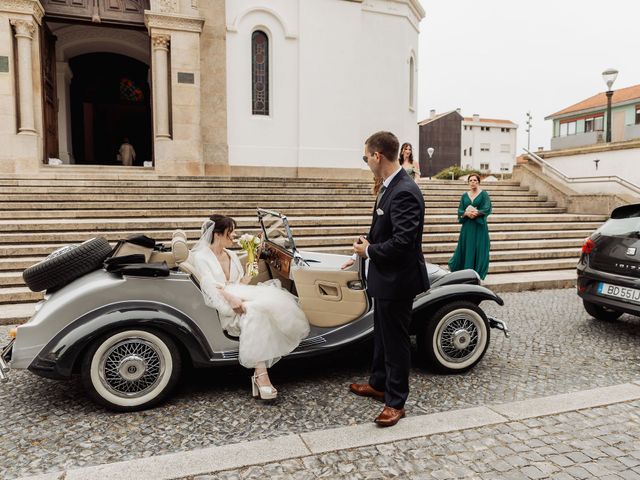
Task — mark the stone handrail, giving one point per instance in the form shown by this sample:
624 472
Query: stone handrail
547 168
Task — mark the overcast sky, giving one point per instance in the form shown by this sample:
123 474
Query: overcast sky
501 58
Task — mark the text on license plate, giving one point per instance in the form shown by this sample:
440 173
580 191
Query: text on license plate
619 292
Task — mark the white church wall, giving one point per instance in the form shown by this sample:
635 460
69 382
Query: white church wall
388 42
262 140
339 72
330 82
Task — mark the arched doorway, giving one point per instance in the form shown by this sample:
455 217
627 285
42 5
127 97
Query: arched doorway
109 100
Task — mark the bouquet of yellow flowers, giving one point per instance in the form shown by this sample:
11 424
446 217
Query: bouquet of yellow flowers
250 244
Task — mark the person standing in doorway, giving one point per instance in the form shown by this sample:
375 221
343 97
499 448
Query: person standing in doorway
126 153
397 273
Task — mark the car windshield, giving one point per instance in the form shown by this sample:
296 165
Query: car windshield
276 229
621 226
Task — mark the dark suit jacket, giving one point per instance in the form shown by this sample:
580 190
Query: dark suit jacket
396 268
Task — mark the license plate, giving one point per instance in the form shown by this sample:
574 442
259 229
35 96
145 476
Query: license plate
624 293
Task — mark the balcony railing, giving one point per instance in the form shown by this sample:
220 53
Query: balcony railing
577 140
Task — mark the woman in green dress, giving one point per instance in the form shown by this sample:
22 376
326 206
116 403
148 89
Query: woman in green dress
473 244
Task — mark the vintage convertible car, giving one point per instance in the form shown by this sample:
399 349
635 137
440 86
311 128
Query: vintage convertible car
128 330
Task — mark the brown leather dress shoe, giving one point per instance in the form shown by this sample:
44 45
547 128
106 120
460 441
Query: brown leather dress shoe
389 416
366 390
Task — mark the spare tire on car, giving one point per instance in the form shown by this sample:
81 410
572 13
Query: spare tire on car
66 264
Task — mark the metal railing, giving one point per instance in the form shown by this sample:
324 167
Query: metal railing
549 169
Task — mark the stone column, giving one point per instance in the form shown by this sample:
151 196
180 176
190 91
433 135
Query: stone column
24 30
161 84
63 83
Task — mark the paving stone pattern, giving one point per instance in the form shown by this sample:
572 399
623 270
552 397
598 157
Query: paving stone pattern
555 348
601 443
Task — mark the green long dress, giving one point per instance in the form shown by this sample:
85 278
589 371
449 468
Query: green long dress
473 244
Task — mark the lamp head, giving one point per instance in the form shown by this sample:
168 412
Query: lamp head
430 151
609 76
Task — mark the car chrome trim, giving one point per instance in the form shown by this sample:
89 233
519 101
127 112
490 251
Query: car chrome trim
498 325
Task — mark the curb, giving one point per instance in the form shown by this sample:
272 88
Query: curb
239 455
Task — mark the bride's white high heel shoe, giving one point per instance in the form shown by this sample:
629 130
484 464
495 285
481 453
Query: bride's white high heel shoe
261 392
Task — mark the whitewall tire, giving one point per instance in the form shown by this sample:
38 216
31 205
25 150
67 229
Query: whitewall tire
456 337
132 369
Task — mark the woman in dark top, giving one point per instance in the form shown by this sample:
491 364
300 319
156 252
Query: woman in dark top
473 244
406 161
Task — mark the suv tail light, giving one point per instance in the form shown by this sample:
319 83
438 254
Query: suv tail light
588 245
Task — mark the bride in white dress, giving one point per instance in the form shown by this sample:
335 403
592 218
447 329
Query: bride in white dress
266 317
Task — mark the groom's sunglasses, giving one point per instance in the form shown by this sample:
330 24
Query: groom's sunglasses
365 159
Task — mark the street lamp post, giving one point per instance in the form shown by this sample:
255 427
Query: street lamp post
430 151
609 76
529 125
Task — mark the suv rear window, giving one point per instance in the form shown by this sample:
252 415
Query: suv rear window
620 226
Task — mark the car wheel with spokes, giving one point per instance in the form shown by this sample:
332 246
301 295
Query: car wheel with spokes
456 337
131 370
601 313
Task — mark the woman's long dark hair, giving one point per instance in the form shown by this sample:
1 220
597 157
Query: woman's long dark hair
222 224
401 157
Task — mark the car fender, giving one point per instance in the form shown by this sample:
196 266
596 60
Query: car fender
433 299
57 359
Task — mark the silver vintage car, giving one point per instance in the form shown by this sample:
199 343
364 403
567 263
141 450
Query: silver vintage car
127 327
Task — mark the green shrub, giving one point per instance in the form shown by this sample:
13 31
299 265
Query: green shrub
455 170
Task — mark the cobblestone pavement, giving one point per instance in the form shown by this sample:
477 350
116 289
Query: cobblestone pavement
555 348
601 443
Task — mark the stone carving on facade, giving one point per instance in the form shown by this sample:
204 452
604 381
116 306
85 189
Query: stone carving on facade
164 21
28 7
165 6
160 42
24 28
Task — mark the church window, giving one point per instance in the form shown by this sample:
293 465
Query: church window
260 73
411 83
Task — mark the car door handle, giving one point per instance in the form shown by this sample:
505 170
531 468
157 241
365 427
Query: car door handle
329 291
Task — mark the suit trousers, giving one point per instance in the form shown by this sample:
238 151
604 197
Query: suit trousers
391 350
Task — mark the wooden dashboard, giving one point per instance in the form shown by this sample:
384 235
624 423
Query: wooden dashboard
277 258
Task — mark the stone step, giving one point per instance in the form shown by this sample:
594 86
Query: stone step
15 241
242 211
442 233
430 244
253 188
526 281
433 223
17 313
18 295
11 278
335 195
273 203
495 256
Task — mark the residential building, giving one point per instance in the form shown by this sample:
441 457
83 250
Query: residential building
442 133
488 145
584 123
205 87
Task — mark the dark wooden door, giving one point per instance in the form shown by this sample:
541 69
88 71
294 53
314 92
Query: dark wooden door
50 102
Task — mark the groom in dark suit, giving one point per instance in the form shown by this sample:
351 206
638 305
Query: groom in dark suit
397 273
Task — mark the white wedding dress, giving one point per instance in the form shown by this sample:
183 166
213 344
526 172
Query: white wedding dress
273 324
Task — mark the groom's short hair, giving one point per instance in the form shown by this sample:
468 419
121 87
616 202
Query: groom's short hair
385 143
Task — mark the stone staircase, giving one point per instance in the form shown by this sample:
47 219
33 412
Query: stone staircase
529 235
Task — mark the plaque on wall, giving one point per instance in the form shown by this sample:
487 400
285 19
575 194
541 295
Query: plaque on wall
4 64
185 77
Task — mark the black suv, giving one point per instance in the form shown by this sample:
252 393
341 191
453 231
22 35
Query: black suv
609 266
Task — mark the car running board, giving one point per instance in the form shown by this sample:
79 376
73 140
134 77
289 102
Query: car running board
498 324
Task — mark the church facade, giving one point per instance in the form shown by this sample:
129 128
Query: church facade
205 87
